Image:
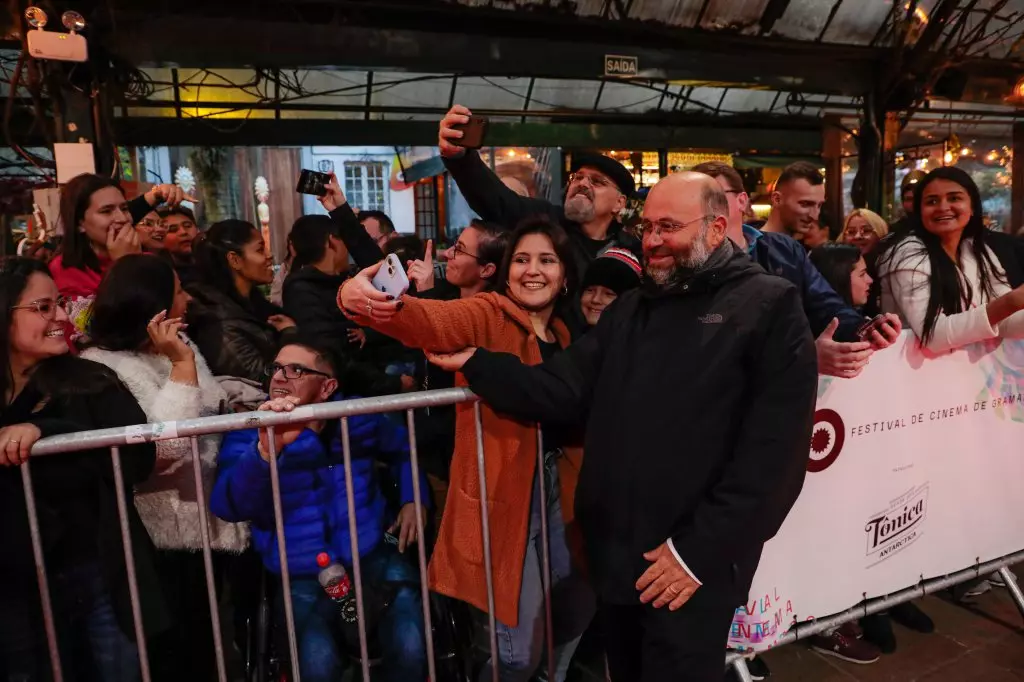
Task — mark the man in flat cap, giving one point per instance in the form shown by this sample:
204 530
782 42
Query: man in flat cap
598 190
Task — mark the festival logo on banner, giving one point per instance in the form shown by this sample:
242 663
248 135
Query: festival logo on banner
897 527
762 621
827 439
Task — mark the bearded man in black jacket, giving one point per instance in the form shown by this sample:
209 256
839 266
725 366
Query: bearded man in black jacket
715 359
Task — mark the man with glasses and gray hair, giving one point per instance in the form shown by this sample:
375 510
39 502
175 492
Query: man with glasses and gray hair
715 361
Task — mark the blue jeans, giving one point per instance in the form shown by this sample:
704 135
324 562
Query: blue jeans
522 649
400 634
93 645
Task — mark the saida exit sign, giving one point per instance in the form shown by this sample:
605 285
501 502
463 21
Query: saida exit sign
621 66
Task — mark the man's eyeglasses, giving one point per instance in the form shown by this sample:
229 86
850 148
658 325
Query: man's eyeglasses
664 228
596 181
47 307
294 371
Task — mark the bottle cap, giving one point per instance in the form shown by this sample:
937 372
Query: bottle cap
323 560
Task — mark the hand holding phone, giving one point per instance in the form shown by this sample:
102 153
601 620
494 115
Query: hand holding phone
312 182
391 278
864 331
473 132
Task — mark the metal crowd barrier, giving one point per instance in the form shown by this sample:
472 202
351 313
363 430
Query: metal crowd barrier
807 629
116 438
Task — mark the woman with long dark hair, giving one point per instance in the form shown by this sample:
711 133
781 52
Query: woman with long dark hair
138 332
953 280
98 225
538 275
237 329
47 391
843 267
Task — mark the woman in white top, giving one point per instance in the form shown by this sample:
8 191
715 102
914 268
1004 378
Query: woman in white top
951 279
136 330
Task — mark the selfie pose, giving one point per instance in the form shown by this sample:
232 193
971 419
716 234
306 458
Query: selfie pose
522 320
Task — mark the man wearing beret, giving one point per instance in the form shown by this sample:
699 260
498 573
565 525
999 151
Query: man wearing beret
598 190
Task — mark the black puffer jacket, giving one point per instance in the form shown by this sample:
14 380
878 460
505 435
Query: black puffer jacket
234 337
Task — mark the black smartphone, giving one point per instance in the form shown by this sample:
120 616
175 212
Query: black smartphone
312 182
473 133
864 331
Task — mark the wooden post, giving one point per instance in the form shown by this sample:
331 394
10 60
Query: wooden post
1017 178
832 155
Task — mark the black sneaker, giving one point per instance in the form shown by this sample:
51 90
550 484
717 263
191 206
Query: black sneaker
910 616
878 630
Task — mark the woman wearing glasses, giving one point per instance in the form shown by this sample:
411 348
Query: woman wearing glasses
137 331
46 391
537 274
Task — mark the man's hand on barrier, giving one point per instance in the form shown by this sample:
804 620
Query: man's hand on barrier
406 525
887 333
451 362
837 359
358 296
665 581
15 443
284 434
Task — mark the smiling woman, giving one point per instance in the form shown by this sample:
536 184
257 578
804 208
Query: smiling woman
47 391
537 272
954 281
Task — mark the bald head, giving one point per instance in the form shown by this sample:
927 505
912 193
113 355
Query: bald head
685 219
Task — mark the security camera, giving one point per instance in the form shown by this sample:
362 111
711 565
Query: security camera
65 47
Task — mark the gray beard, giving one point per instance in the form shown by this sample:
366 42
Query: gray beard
579 208
666 278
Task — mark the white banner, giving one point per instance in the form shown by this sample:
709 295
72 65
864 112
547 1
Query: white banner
916 471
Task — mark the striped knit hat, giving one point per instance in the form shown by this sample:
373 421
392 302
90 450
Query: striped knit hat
615 268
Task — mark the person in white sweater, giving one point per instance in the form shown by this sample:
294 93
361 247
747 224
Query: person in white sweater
136 330
951 279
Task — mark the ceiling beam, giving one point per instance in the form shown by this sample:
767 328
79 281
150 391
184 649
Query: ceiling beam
676 55
794 137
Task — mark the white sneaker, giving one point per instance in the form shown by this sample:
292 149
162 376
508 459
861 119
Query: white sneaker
979 589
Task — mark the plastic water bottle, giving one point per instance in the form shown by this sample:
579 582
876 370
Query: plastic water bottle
334 579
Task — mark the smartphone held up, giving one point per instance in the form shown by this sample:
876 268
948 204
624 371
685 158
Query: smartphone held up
391 278
313 182
473 133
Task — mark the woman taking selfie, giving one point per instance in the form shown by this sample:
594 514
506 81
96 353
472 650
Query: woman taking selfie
537 275
47 391
951 279
237 329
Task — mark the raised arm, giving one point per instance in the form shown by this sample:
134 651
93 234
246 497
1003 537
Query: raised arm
484 191
557 391
443 326
764 477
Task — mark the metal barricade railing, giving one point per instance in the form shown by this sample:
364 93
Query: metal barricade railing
871 606
115 438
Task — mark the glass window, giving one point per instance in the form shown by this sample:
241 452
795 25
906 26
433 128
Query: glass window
366 185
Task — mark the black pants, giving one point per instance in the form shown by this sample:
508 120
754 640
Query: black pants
645 644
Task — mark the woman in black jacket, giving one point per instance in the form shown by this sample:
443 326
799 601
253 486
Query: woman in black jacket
236 328
319 267
46 391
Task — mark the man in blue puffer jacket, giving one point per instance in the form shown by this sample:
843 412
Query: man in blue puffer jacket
316 519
